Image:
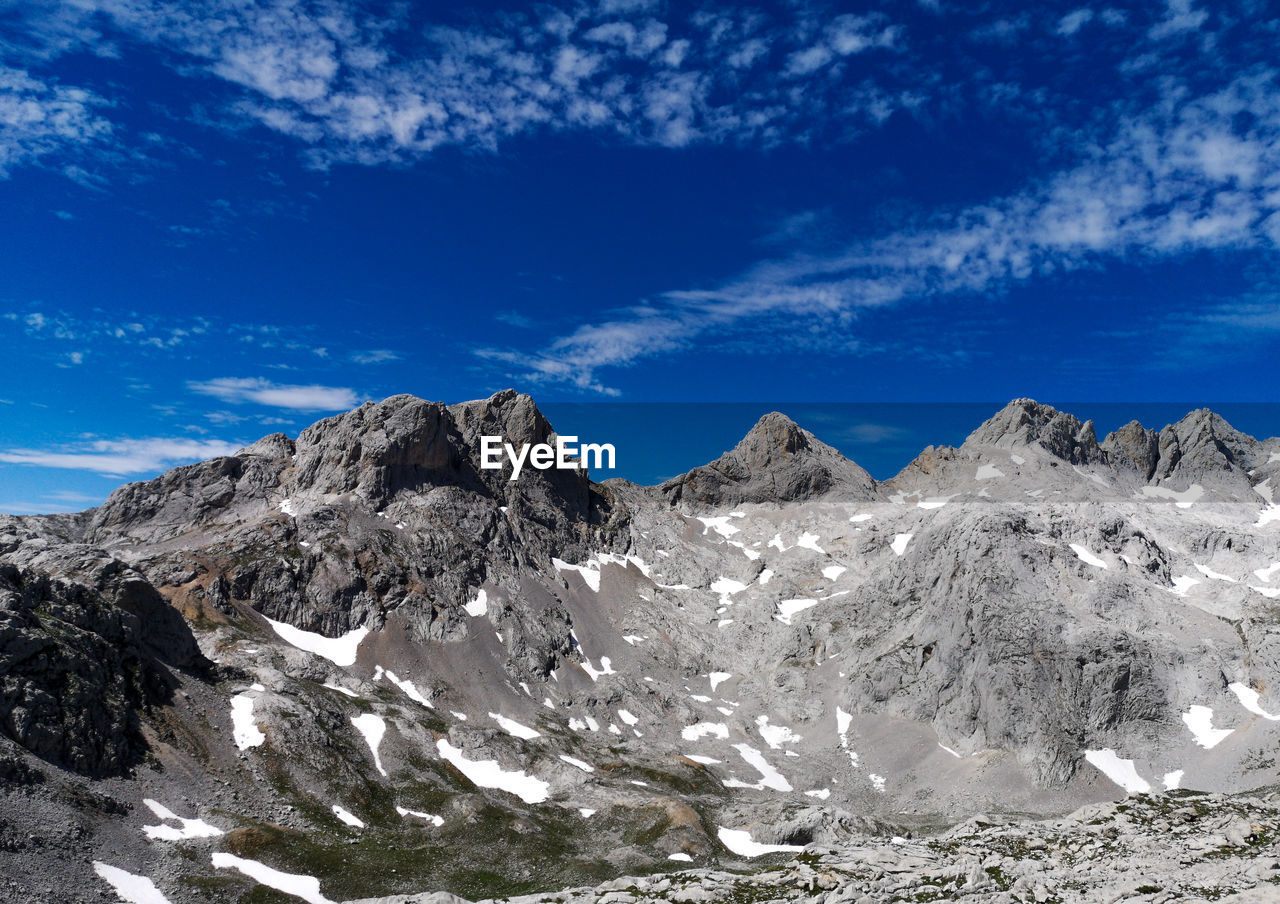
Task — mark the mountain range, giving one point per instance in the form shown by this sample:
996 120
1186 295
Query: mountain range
358 665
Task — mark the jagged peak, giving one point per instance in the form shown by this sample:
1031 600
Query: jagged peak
776 461
774 434
1026 422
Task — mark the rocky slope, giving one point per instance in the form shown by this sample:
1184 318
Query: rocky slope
359 660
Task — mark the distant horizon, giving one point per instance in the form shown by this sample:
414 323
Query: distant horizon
656 441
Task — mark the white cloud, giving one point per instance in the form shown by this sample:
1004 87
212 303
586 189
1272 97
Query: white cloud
1179 177
237 390
374 356
358 88
40 119
1180 17
1074 21
122 456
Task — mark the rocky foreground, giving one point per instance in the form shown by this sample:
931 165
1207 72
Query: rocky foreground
1152 848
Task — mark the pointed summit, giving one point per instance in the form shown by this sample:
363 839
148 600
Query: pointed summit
777 461
1133 447
1025 422
1203 445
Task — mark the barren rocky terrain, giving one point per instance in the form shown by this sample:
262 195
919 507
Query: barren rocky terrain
356 665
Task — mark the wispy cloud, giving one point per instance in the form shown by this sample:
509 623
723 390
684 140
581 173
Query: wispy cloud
40 118
121 456
514 318
237 390
374 356
356 87
1192 172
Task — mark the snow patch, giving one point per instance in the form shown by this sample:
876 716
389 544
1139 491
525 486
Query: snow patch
831 572
1087 557
810 541
718 678
1173 780
899 544
590 572
1183 583
769 777
775 735
514 728
132 889
1266 574
606 668
726 587
372 728
1121 772
682 857
348 817
861 516
843 722
1250 700
244 730
478 606
342 690
488 774
436 821
1199 719
190 828
305 887
406 687
739 842
286 506
988 472
338 650
788 608
751 554
574 761
703 729
720 525
1214 575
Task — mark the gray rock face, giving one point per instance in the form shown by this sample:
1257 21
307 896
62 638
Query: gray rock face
776 462
84 641
583 680
1024 422
1201 447
1135 448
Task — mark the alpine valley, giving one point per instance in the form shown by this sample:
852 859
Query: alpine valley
359 666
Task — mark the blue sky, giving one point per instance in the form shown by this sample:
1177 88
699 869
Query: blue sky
231 218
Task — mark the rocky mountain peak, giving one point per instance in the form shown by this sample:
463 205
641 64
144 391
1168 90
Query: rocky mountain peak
1133 447
773 437
777 461
1026 422
1202 445
377 449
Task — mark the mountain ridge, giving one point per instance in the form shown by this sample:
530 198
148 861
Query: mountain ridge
847 657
